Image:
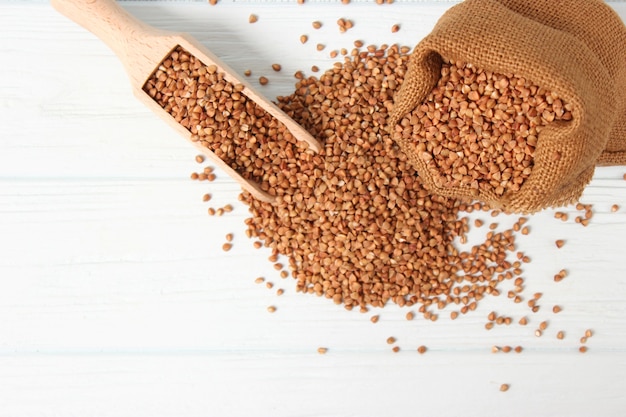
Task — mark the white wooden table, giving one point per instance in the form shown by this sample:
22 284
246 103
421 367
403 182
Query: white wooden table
117 300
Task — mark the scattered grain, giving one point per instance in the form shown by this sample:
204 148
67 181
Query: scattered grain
304 38
276 67
395 28
322 350
559 243
582 349
263 80
271 309
421 349
253 18
344 24
560 335
226 247
504 387
391 340
560 275
317 24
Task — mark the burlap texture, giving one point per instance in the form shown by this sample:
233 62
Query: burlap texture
576 48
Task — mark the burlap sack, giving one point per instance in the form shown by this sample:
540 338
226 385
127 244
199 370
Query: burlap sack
576 48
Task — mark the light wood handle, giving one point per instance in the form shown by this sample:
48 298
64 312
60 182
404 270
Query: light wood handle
128 37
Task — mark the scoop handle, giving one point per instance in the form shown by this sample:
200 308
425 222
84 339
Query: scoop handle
129 38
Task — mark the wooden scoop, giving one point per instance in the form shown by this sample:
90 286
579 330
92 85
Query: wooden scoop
142 48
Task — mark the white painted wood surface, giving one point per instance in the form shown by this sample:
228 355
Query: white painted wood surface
116 299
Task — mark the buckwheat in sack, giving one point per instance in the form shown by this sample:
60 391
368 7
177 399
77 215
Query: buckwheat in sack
574 50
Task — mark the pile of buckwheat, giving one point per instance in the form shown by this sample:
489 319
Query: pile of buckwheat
479 129
354 220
